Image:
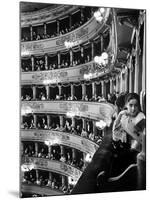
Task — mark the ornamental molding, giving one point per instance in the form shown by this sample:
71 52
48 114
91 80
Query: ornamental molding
46 15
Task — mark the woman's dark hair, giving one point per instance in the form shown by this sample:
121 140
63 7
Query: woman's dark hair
120 102
131 96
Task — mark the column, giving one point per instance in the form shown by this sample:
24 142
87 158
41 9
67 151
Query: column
136 78
73 154
34 92
58 57
102 43
36 149
93 89
71 57
92 49
49 151
84 160
21 119
84 123
58 26
62 150
22 148
103 132
32 62
121 82
144 57
94 128
111 86
117 83
61 121
31 32
83 90
47 91
45 27
60 89
37 174
73 121
46 61
70 21
82 54
35 120
48 121
126 80
50 176
63 180
82 16
130 80
72 90
103 88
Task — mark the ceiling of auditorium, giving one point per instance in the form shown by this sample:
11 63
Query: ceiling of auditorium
31 7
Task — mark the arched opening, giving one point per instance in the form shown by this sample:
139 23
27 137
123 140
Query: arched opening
41 93
66 91
89 90
54 91
52 61
78 91
98 89
26 93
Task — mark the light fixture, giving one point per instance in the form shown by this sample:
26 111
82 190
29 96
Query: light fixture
102 60
52 142
48 81
100 124
72 181
71 43
99 14
88 158
25 110
27 167
25 52
88 76
70 114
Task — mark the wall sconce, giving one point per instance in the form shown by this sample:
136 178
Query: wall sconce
70 44
100 124
27 167
25 110
102 60
99 14
52 142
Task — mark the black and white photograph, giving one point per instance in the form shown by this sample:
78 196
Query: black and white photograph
82 99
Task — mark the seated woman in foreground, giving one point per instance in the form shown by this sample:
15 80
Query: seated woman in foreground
112 160
130 123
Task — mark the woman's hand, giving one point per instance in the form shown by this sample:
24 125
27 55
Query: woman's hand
123 112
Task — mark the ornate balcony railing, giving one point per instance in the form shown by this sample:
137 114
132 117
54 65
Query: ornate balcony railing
92 110
53 166
63 138
46 15
36 189
80 35
71 74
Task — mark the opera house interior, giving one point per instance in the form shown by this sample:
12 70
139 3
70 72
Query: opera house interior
82 68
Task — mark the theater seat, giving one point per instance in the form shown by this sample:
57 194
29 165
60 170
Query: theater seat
127 181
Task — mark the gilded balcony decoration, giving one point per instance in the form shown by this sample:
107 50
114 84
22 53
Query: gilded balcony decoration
39 190
46 14
80 35
71 74
92 110
62 138
54 166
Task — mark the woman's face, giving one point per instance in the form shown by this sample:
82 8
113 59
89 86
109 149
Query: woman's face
132 107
